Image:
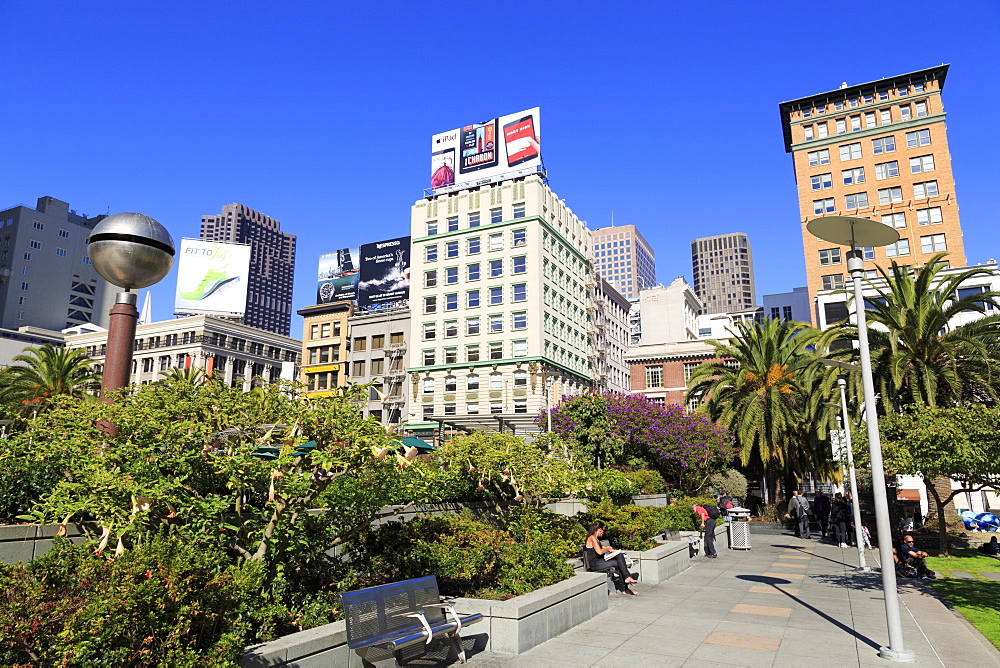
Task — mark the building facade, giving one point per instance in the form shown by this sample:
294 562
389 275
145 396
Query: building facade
272 263
609 312
379 355
794 305
668 314
502 281
877 150
325 342
240 355
625 259
722 269
660 371
46 279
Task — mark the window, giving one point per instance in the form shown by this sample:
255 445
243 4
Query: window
430 304
453 224
870 119
855 122
857 201
472 299
496 242
921 109
850 151
450 328
496 215
432 227
883 145
37 245
521 378
821 157
496 352
450 356
429 358
520 319
921 164
918 138
519 210
451 275
896 220
450 384
925 189
496 323
822 181
431 252
496 381
472 325
474 245
360 343
808 129
451 250
39 226
931 216
966 293
852 176
474 219
378 341
520 348
496 268
868 253
64 234
378 367
472 355
833 282
654 376
27 256
886 170
396 339
520 291
430 331
496 296
869 99
473 271
520 265
932 243
428 386
61 252
885 116
519 237
918 88
821 130
359 368
841 126
901 247
904 90
890 195
905 112
451 302
829 256
324 333
430 278
823 205
837 106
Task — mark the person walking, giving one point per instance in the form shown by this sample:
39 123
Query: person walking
821 509
708 515
838 520
798 508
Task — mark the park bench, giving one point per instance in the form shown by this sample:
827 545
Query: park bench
403 618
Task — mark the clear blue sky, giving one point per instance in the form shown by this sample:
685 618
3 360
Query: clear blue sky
320 114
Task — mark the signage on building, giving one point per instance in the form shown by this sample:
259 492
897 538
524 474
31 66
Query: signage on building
385 272
212 277
482 151
323 369
338 276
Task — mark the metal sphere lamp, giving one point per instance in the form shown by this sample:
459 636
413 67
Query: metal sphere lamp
130 250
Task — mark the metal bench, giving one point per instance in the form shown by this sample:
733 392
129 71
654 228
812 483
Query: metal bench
403 618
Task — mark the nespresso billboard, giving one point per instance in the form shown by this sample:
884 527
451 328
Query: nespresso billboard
371 274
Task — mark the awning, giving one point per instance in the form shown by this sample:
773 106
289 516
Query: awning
907 494
422 446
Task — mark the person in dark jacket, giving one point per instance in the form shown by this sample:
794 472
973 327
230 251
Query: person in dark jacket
839 519
821 509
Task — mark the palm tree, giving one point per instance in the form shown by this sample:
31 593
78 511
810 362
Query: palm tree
770 393
918 356
49 371
191 375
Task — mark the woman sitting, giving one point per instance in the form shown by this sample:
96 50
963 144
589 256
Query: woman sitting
595 553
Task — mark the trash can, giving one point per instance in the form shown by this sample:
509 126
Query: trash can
739 529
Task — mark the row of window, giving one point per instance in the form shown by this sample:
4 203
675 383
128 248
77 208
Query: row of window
473 325
473 271
519 237
473 298
883 170
472 382
879 145
882 95
931 243
886 196
474 219
474 352
884 116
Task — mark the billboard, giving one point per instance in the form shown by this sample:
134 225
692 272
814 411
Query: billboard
338 276
385 272
212 277
485 150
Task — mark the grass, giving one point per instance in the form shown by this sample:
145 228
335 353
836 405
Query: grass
977 600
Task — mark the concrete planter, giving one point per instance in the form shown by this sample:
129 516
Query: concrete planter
510 627
662 562
24 542
655 500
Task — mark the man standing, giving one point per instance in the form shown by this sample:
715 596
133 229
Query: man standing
821 509
798 508
708 515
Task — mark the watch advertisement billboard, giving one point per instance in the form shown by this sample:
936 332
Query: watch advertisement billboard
212 277
481 151
385 272
338 276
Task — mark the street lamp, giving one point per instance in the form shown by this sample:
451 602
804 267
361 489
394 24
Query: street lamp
855 233
129 250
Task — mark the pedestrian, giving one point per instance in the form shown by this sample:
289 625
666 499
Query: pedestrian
838 520
798 508
708 515
821 509
914 557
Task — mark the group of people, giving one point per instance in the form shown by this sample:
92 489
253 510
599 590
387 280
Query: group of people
834 517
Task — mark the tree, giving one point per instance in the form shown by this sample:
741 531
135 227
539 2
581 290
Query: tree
49 371
770 393
960 443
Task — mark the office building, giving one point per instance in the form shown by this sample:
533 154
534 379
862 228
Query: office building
667 314
877 150
794 305
272 263
325 341
722 269
379 355
240 355
46 279
624 258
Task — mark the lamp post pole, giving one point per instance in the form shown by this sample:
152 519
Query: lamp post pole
846 424
122 322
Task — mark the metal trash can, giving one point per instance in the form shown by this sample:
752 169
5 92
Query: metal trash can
739 529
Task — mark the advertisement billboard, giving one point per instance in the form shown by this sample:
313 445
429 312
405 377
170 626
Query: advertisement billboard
385 272
485 150
212 277
338 276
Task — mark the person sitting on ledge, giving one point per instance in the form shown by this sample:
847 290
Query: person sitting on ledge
914 557
605 558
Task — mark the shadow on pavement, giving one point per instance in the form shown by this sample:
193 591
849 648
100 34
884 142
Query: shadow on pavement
813 554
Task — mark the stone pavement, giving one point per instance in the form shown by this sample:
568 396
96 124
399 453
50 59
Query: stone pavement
786 602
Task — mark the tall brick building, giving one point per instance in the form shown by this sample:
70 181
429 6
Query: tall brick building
876 150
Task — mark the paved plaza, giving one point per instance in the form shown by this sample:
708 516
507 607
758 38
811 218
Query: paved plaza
787 602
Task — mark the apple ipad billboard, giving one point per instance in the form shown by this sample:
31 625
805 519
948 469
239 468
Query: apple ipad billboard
385 273
212 277
338 276
482 151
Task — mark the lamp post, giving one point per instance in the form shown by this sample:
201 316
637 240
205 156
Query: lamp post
855 233
129 250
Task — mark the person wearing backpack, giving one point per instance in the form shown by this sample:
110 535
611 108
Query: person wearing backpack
708 515
798 507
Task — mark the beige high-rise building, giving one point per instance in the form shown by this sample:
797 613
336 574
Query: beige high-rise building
722 267
876 150
624 258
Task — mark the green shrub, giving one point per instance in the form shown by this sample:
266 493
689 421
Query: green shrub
609 484
625 527
645 481
679 518
730 482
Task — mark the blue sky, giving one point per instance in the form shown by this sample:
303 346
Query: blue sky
320 114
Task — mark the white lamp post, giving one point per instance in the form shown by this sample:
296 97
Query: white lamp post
856 233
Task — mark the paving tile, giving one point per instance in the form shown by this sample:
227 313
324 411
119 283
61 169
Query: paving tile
991 576
595 638
770 611
752 628
743 641
780 565
794 556
620 657
677 647
568 651
788 660
962 575
732 656
784 576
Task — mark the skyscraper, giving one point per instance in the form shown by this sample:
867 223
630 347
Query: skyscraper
876 150
722 268
46 279
272 263
624 259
